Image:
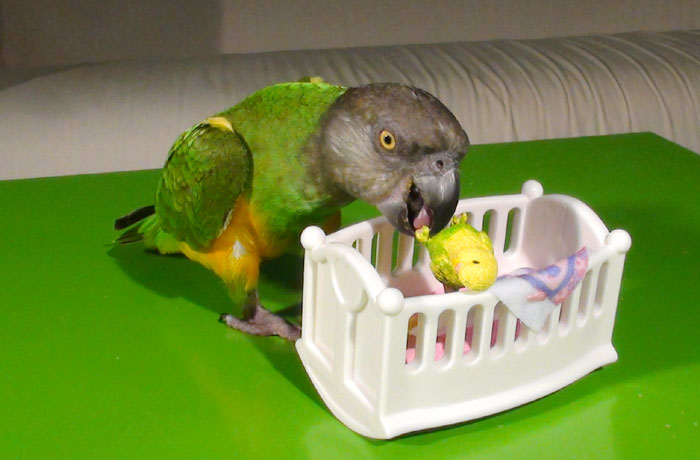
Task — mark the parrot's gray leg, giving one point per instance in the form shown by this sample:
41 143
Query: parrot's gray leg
260 321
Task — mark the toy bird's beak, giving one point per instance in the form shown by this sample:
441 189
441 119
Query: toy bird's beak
430 201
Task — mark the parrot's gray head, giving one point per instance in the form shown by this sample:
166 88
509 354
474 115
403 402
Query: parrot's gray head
396 147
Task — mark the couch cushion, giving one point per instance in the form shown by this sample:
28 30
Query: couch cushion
125 115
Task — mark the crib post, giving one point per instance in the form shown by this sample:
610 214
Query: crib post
311 238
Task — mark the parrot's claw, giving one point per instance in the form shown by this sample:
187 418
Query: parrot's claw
263 322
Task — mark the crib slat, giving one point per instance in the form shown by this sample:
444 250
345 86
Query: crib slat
423 257
508 329
404 259
364 247
499 238
430 330
565 314
458 334
517 224
601 289
531 337
587 295
476 220
551 326
574 300
385 241
482 330
525 337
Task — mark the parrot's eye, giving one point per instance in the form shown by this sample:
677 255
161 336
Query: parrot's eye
387 140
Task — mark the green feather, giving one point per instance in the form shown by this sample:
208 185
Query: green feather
263 158
207 170
277 124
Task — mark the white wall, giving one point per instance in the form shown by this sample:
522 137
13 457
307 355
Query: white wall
50 32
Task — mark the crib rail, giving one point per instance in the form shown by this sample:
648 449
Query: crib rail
356 323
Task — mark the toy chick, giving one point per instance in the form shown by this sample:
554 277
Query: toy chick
460 255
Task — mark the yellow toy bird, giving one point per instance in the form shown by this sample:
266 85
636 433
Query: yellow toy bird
460 256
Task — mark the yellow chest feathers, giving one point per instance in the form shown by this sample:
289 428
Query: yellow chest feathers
237 252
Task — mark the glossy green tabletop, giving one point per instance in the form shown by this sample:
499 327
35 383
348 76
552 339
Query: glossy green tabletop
114 353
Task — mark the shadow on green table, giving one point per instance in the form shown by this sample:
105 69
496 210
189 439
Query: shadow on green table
174 276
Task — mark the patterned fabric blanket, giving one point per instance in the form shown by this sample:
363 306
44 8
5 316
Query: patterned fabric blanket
532 294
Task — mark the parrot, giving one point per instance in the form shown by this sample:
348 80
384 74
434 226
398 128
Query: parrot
460 255
240 186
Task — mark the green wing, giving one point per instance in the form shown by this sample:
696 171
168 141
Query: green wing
208 168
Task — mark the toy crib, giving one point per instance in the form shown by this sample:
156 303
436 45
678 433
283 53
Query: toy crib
363 284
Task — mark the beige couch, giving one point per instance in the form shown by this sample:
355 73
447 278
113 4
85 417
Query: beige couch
124 114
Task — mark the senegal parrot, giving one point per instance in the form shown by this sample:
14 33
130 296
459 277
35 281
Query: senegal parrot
240 186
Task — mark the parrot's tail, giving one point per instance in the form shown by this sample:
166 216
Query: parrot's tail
133 217
130 236
135 233
143 225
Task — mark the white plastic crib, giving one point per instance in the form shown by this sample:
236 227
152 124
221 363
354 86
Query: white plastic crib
357 307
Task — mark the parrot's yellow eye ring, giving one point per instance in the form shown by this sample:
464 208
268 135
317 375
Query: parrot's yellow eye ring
387 139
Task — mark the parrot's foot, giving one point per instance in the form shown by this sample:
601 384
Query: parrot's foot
263 322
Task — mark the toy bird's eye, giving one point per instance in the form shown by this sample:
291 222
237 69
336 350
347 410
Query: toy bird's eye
475 262
387 140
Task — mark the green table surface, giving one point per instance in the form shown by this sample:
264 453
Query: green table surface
112 352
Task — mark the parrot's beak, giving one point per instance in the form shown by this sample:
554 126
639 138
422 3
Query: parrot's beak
431 201
439 194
